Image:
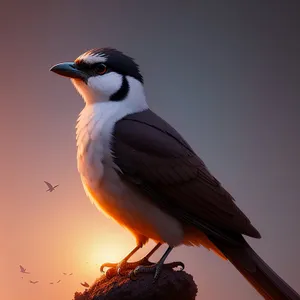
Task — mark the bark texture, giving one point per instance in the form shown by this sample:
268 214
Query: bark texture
171 285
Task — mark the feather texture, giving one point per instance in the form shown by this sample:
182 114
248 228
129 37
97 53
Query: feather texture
149 151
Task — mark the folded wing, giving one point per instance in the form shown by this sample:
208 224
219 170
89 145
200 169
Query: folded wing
154 157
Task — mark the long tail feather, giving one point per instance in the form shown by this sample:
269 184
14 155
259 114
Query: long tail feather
258 273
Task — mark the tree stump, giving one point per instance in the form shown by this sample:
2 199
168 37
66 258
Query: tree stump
171 285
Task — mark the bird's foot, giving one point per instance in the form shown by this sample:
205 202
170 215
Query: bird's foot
154 268
123 266
112 269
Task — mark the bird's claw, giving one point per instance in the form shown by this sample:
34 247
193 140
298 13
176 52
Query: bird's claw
111 272
133 273
113 269
155 268
121 267
107 265
117 267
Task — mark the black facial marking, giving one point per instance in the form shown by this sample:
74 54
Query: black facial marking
92 69
122 92
115 61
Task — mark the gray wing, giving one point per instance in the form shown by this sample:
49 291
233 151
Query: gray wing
160 163
49 185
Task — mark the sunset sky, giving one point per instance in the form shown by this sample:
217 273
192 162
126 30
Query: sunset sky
226 76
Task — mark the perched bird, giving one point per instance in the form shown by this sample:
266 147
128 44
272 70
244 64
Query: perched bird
33 282
85 284
23 270
51 188
137 169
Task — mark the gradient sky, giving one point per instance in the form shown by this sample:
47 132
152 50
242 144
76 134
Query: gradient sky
224 75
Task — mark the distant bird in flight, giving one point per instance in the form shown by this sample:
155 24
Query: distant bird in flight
51 283
70 274
23 270
33 282
85 284
65 273
51 188
58 281
160 187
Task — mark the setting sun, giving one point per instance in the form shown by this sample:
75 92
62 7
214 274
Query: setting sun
110 248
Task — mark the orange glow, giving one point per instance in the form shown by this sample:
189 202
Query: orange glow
108 248
108 252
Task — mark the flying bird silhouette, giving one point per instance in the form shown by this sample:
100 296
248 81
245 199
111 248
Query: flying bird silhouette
33 282
23 270
58 281
70 274
65 273
85 284
51 188
51 283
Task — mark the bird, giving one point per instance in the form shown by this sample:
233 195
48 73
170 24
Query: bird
51 188
23 270
65 273
70 274
51 283
85 284
139 171
33 282
58 281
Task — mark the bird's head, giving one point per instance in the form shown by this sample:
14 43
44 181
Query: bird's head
103 74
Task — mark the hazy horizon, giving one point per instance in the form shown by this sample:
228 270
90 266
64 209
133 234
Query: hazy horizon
226 76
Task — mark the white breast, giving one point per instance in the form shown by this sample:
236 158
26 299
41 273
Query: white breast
93 137
93 134
103 185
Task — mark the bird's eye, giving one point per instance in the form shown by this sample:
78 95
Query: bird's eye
101 69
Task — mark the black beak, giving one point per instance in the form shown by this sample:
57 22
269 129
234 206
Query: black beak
70 70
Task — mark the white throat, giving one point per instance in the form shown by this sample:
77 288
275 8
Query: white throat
94 129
